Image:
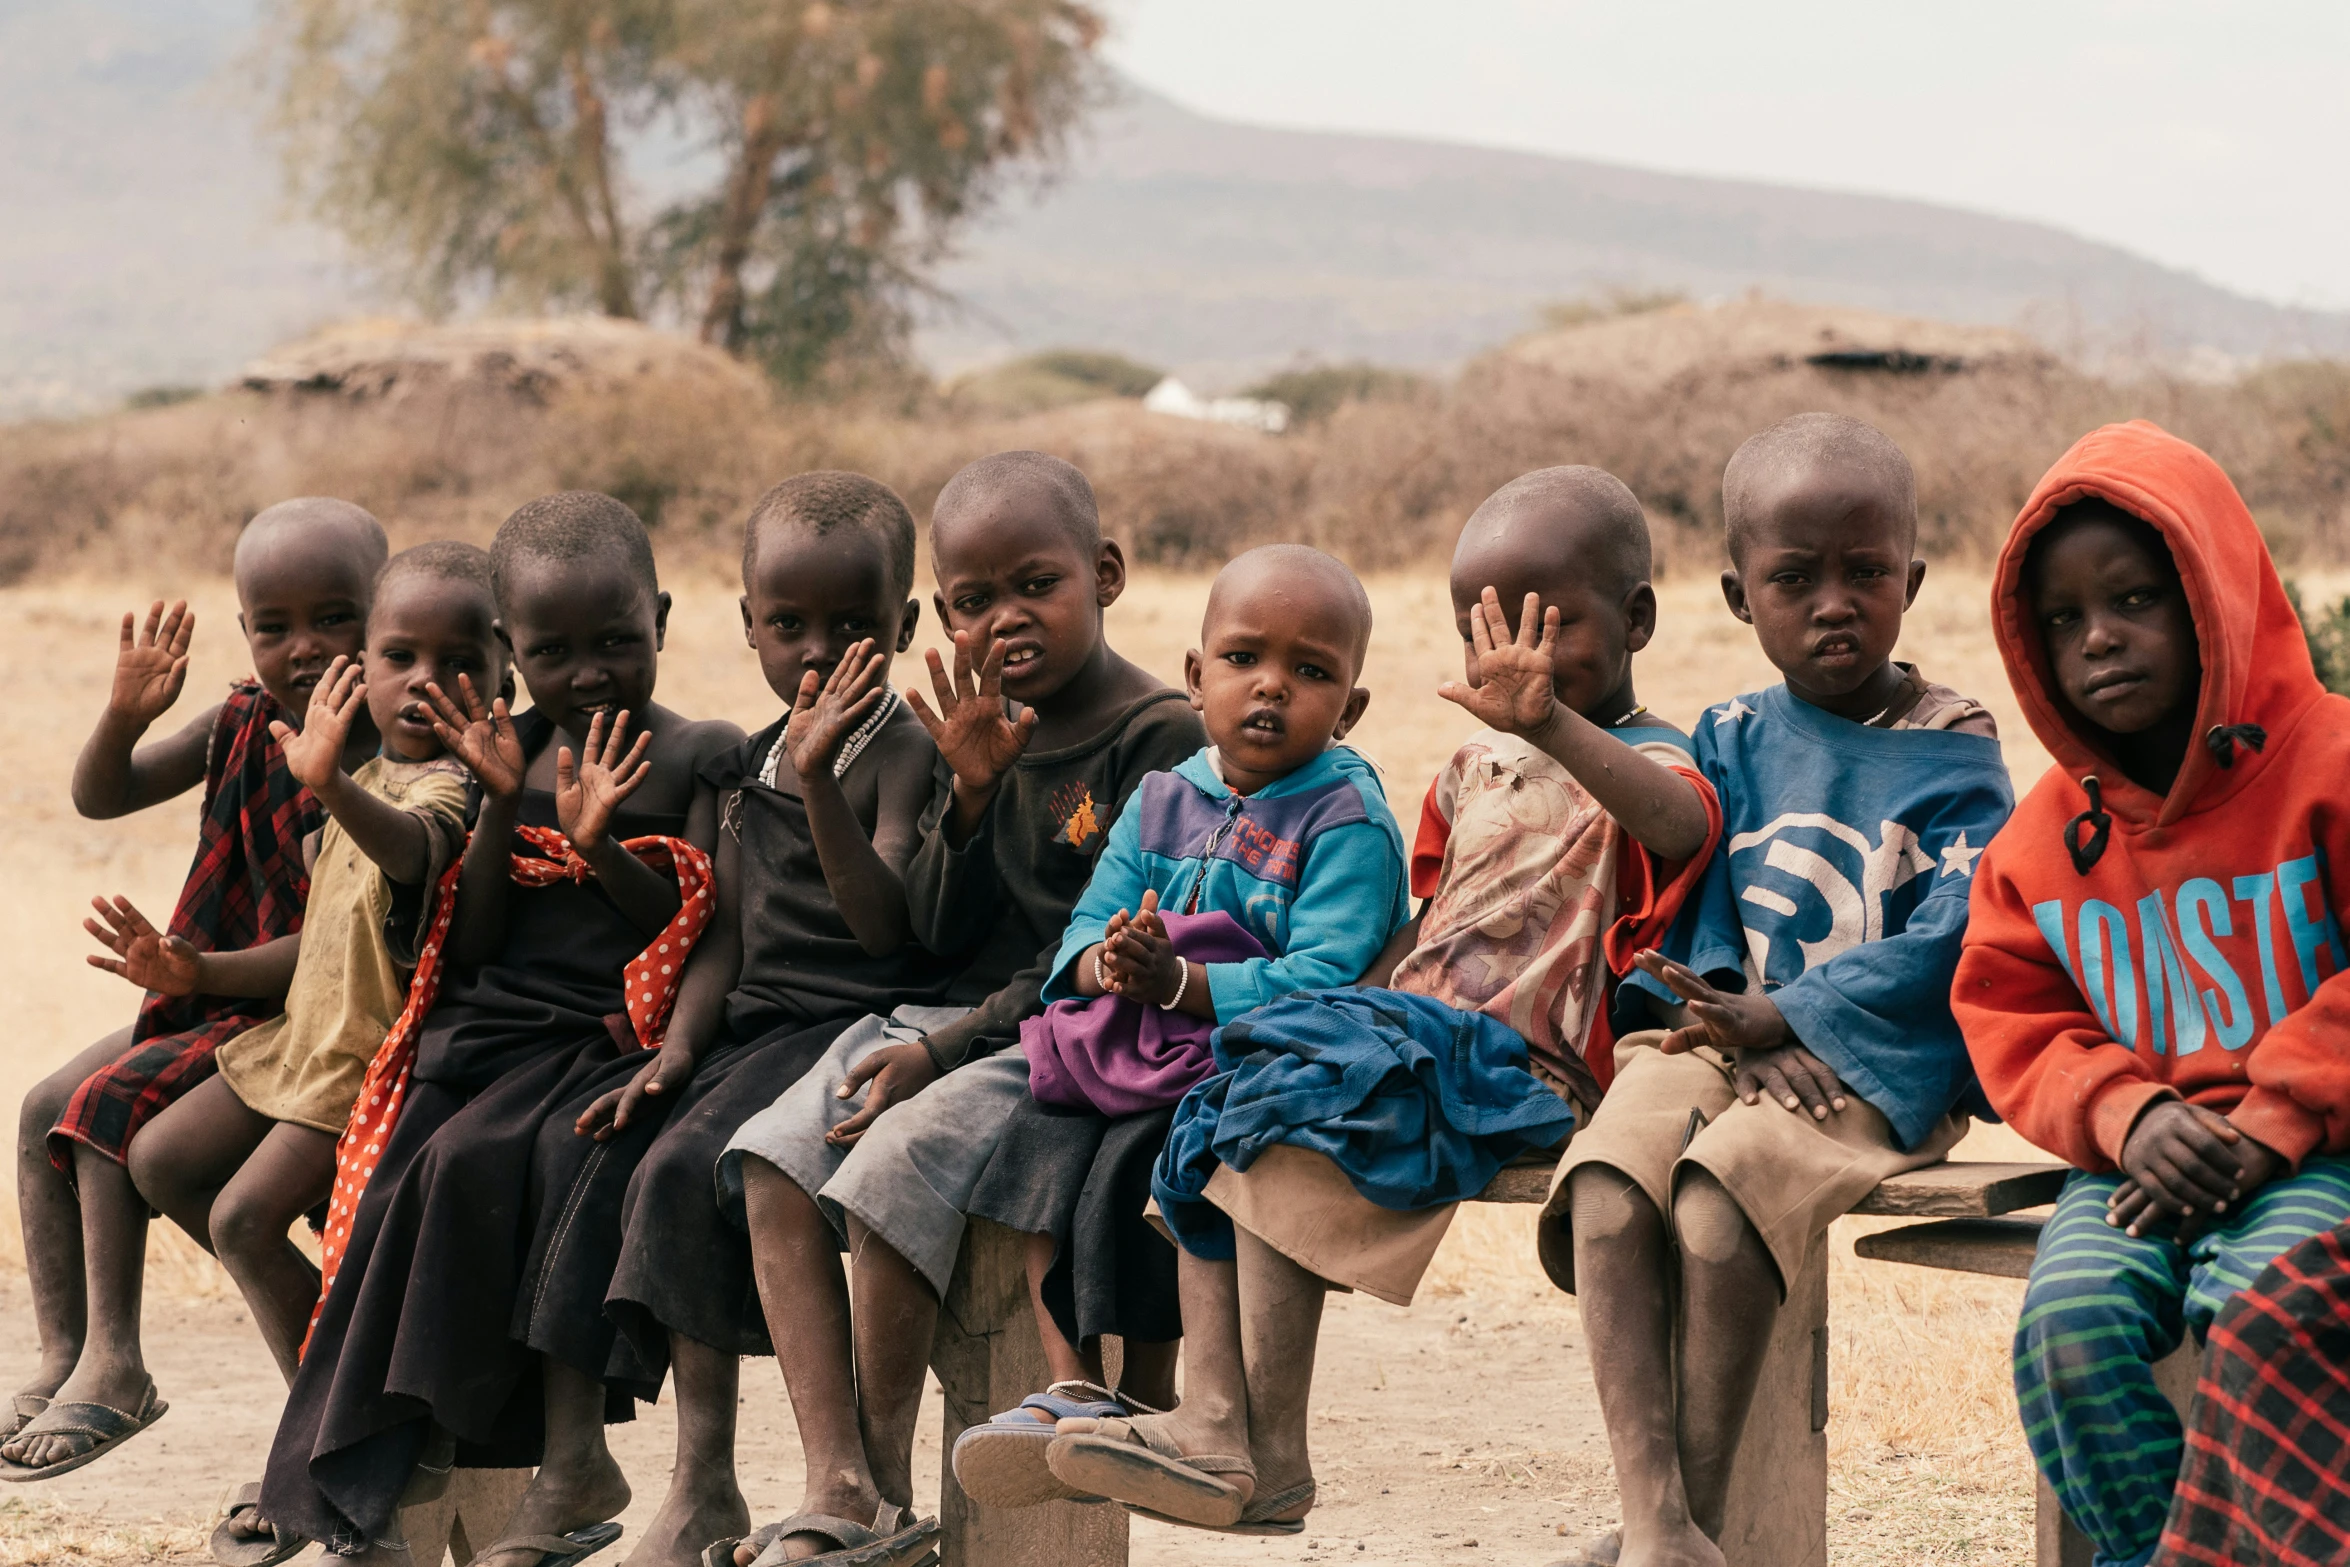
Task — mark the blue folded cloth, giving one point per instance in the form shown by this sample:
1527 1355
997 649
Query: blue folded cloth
1417 1102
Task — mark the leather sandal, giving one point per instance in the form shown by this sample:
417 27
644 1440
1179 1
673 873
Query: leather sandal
1142 1468
1001 1463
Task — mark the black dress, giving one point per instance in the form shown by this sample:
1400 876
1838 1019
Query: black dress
684 1266
1084 1179
483 1214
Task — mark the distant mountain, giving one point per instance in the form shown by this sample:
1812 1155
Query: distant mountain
145 242
1203 243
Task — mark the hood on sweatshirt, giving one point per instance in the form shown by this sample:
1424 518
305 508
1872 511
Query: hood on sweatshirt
2256 669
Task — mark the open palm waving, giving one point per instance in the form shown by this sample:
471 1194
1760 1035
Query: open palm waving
1509 676
979 743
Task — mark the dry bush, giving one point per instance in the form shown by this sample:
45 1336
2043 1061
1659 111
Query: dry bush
1384 480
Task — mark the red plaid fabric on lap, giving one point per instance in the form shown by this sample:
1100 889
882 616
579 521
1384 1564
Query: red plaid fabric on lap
2266 1479
247 886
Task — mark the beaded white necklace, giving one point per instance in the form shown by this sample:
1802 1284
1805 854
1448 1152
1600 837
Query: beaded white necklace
850 749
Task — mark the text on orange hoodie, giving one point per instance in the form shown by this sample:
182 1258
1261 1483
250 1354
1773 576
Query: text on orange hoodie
2200 955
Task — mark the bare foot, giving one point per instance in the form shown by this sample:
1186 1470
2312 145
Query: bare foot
1684 1546
47 1380
122 1385
1604 1549
248 1525
558 1500
846 1501
43 1387
689 1519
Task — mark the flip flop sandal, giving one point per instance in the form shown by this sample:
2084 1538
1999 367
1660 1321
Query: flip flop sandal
28 1409
1255 1519
1001 1463
557 1550
1143 1469
891 1542
231 1549
108 1429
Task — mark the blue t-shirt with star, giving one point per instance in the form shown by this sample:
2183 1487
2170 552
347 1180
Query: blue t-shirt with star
1840 887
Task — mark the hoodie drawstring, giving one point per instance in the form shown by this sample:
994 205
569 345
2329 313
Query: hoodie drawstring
2224 738
2100 826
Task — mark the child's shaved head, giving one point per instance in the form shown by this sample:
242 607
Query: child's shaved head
1273 678
316 526
1313 587
443 560
1821 513
827 500
572 525
1556 524
1032 482
305 572
1569 542
1817 451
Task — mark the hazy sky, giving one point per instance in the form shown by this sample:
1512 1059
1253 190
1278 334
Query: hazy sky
2210 136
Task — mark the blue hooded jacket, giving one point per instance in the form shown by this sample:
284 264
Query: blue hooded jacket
1312 865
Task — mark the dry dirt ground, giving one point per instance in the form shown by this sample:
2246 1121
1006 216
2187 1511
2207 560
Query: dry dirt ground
1468 1418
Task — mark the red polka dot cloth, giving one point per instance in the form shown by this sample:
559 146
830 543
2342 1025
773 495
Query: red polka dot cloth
651 981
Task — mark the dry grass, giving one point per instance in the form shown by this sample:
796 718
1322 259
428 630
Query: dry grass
1927 1462
35 1533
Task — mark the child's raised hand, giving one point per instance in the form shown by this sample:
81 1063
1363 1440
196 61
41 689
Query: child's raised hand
482 737
589 791
1509 676
314 754
969 728
826 713
151 665
147 957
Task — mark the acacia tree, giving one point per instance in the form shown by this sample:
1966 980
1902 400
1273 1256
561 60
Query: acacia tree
497 148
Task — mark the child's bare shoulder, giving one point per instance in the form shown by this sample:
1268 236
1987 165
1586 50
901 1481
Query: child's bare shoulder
903 741
694 743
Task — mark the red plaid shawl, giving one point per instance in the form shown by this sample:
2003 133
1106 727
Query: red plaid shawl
2266 1477
650 988
246 887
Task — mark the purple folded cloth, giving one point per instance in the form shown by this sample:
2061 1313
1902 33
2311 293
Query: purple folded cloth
1116 1057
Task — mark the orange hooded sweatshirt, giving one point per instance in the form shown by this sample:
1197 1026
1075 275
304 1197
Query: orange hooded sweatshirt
2201 955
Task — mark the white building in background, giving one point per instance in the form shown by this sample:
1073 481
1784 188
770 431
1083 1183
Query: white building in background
1249 413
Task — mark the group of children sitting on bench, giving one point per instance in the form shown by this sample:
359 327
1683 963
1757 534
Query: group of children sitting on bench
592 1037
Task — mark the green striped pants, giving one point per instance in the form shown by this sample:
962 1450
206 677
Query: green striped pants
2102 1308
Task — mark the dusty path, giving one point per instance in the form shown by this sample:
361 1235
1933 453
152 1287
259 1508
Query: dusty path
1410 1472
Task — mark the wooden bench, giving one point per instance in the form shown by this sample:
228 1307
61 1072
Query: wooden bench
988 1357
2003 1247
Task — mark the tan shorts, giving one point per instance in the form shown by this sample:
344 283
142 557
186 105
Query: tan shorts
1788 1173
1302 1205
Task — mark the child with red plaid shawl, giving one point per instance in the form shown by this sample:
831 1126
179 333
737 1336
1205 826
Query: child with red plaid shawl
304 570
465 1205
252 1148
